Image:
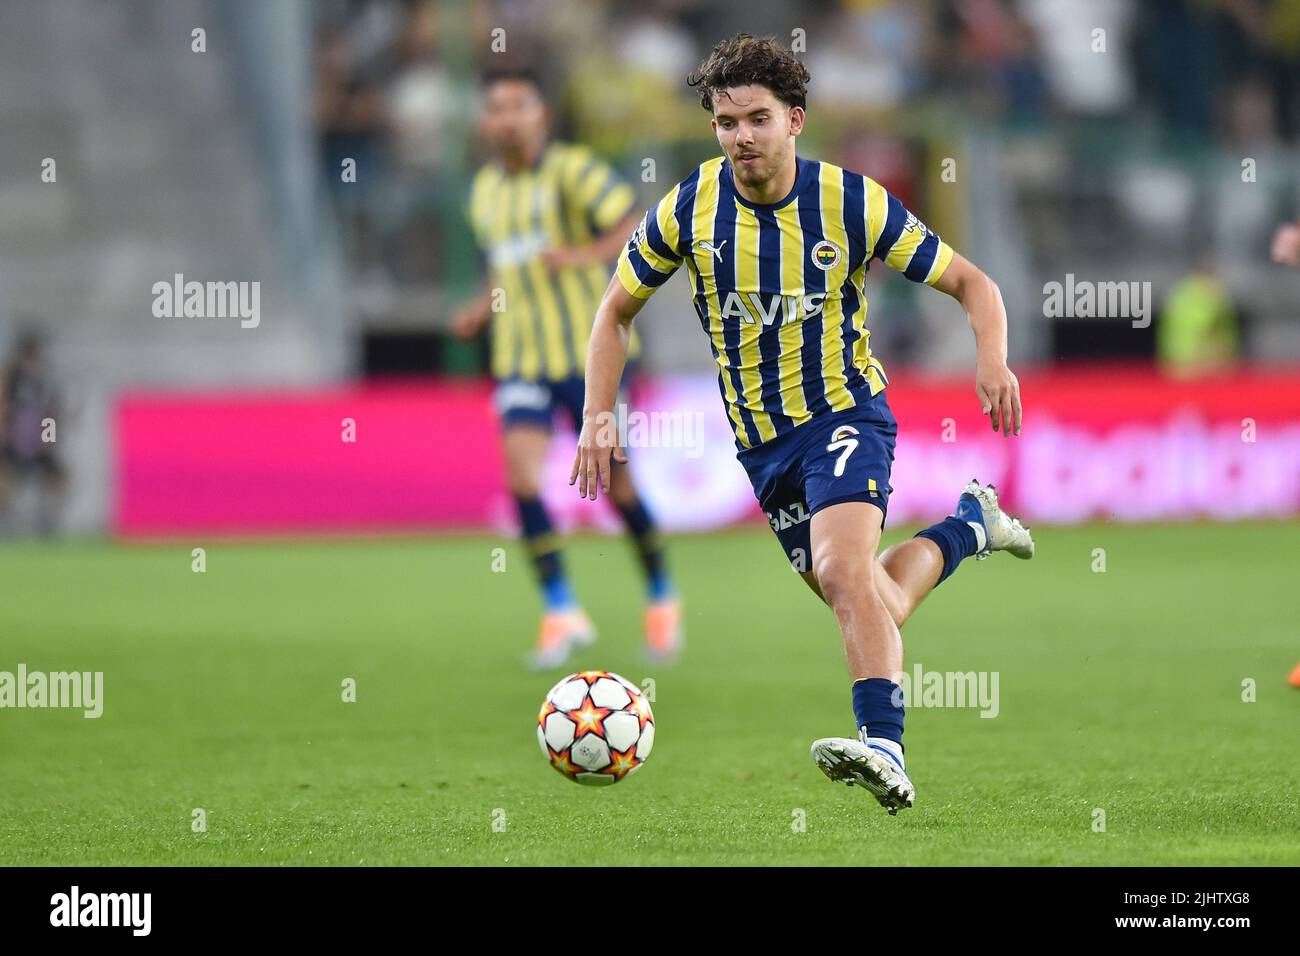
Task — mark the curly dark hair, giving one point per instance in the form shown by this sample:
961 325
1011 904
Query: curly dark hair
744 60
522 74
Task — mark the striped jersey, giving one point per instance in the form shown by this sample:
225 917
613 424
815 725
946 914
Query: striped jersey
779 286
568 198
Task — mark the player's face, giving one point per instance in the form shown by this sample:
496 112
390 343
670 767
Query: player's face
514 117
756 131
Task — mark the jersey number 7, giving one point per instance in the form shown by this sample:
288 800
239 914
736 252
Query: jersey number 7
845 446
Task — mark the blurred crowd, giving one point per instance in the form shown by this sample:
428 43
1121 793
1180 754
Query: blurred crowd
1206 68
396 89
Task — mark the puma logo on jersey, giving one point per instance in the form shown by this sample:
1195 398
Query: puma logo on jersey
710 247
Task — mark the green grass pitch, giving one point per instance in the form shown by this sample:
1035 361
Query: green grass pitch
1119 690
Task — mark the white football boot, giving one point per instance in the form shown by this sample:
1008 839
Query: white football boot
1001 532
873 768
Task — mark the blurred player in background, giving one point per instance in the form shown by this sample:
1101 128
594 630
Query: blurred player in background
551 217
777 248
28 401
1286 244
1199 331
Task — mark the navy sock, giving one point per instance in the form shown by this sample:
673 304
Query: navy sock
878 707
649 548
956 540
544 548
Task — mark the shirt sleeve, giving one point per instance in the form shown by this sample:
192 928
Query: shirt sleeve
598 192
901 240
651 254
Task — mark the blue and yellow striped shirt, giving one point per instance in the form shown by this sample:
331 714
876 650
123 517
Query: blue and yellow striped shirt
567 199
779 287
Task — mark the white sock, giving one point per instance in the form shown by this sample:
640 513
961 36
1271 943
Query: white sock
981 539
886 744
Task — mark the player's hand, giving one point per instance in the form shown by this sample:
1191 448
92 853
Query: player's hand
1286 244
564 256
597 443
999 393
468 322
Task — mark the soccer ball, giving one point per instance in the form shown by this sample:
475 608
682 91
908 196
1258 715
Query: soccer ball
595 727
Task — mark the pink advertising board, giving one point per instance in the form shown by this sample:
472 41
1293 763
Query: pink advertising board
418 456
1118 442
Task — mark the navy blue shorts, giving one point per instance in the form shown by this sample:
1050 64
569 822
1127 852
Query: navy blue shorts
523 402
843 456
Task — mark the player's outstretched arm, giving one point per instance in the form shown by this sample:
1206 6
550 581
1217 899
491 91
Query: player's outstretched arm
470 319
606 354
995 384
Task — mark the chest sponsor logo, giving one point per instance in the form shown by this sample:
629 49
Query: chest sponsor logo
771 309
517 250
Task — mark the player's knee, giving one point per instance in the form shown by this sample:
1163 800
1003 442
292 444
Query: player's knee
522 483
897 604
842 578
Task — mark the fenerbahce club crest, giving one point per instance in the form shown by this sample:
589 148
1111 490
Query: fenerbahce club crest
826 255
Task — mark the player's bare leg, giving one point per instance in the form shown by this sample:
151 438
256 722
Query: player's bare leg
525 449
899 580
904 575
844 541
910 570
564 625
664 636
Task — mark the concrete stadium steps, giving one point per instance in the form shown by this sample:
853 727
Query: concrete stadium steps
159 172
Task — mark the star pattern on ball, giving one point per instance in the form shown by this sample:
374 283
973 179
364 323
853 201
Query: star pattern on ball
581 728
589 718
641 707
621 762
562 763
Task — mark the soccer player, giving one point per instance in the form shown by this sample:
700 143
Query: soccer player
550 217
777 246
28 398
1286 244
